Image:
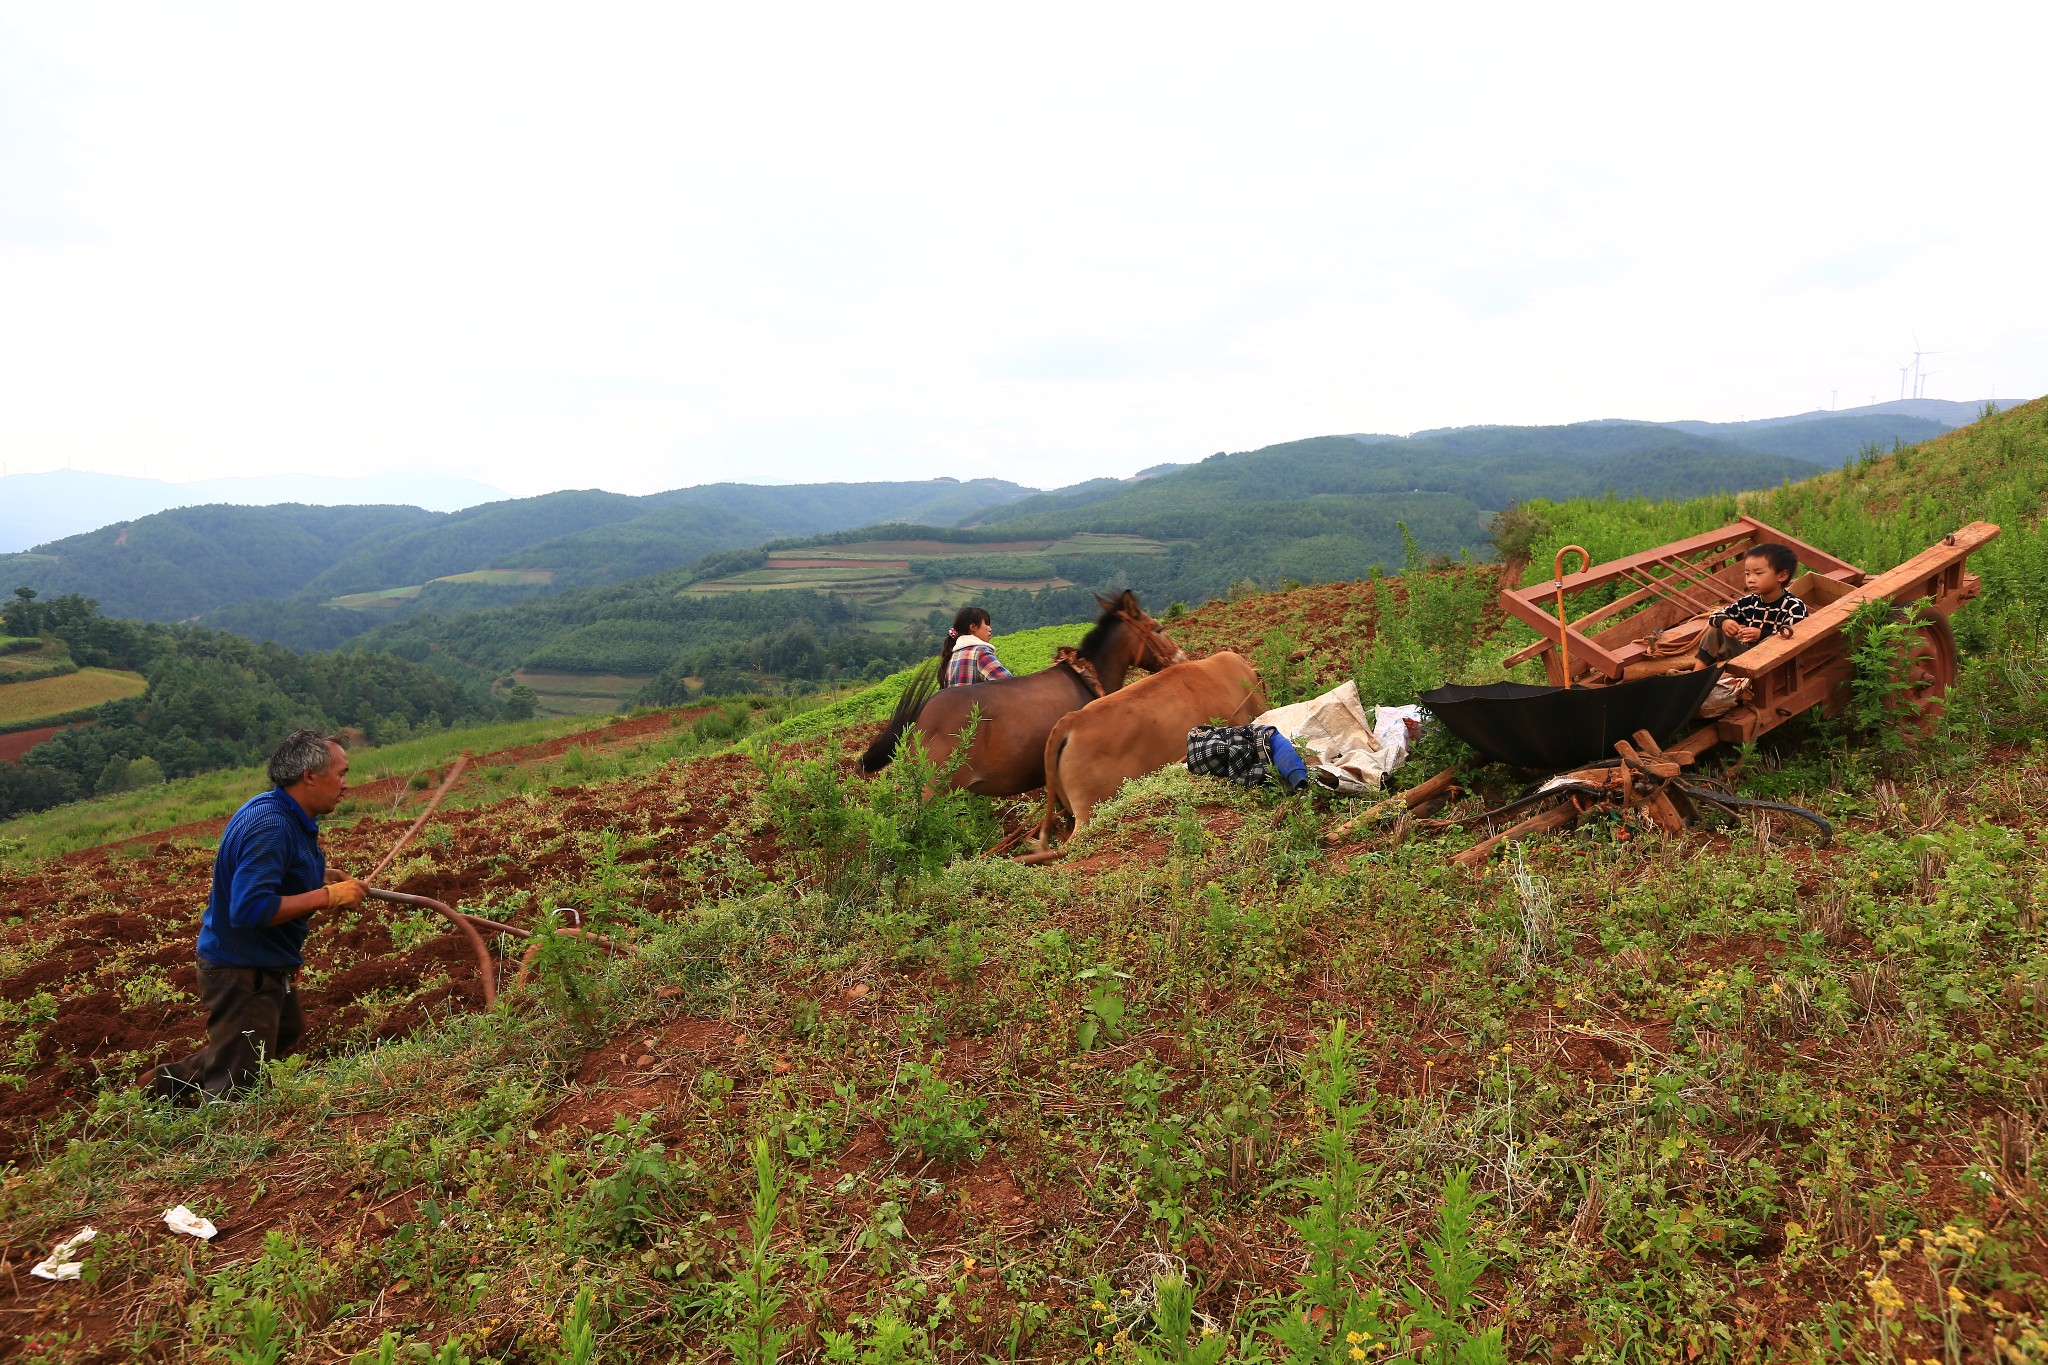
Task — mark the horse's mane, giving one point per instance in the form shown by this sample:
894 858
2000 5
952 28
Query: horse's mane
1098 634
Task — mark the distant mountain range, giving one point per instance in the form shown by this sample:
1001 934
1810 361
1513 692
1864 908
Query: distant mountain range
178 564
1321 509
1946 413
38 508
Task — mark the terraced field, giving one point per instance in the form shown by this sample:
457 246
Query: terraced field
37 660
46 701
579 694
495 578
886 575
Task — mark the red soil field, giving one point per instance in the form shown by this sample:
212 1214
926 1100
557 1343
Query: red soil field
108 918
16 743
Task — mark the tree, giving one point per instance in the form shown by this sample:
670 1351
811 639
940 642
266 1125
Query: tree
113 777
21 616
520 702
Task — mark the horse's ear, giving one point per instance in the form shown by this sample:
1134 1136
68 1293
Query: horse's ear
1107 603
1128 601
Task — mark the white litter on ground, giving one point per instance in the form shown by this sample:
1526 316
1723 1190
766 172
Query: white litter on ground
182 1219
59 1265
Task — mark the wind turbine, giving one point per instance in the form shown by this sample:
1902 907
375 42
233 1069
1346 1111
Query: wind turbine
1831 396
1902 382
1918 377
1922 393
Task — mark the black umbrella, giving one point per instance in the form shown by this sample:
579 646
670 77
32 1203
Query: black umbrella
1554 728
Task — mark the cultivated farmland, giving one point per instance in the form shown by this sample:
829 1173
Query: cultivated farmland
488 578
900 582
45 701
27 660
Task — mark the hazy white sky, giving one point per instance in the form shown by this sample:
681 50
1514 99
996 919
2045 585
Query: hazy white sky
640 247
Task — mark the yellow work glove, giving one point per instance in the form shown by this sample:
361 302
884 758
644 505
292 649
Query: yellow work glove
349 892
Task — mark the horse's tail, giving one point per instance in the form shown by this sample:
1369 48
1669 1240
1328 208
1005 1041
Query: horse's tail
1055 745
922 687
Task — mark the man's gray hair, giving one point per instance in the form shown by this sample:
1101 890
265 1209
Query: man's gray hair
303 753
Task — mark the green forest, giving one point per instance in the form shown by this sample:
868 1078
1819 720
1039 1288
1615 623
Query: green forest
215 700
270 570
1320 510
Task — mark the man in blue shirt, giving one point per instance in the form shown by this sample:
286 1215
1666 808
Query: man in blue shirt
269 876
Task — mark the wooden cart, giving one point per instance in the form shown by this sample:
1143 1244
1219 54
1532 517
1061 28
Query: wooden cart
1787 674
1667 589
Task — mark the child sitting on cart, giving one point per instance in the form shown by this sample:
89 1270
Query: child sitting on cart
1766 610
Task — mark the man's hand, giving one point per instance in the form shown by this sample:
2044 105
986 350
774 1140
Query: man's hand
1730 629
346 892
1749 635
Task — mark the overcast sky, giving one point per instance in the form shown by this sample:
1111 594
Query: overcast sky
636 248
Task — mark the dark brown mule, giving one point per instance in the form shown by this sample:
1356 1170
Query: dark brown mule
1016 714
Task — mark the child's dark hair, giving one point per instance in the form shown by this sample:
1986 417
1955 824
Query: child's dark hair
964 620
1779 557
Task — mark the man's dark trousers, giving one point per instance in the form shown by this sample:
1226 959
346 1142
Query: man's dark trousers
252 1015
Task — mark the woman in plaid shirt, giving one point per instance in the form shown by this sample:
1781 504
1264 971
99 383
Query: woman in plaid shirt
969 658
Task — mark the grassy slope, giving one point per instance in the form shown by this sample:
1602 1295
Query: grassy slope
215 795
1695 1078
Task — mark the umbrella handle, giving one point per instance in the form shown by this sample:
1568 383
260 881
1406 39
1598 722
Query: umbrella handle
1564 643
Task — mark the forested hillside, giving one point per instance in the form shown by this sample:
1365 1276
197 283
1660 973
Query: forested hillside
1320 510
169 566
213 700
179 564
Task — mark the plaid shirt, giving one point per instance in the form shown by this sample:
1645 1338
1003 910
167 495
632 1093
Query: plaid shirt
973 661
1238 753
1775 617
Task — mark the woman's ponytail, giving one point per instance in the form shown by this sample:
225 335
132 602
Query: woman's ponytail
964 620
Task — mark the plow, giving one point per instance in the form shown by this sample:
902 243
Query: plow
1626 714
473 928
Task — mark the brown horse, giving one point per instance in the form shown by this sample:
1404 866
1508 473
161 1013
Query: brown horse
1093 751
1008 746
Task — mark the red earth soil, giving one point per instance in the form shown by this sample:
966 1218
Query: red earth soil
16 743
100 950
1327 624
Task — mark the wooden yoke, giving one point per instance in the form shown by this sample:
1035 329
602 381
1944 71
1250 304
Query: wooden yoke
1666 585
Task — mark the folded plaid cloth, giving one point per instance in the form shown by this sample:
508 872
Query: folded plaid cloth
1244 754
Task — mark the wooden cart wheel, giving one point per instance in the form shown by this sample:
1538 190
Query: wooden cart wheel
1931 670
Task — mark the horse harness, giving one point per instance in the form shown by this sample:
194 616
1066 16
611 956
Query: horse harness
1077 664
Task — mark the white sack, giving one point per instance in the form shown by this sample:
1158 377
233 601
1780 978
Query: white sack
1340 746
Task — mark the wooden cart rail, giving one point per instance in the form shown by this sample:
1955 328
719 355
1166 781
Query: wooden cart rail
1668 584
1787 674
1811 667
